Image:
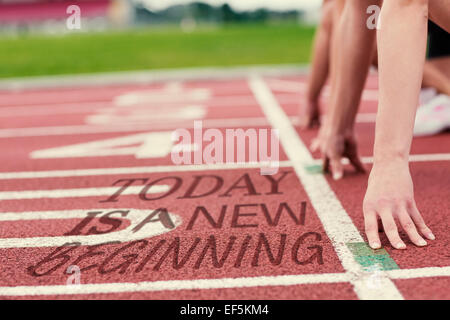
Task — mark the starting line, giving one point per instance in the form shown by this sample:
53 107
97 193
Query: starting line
370 273
223 283
185 168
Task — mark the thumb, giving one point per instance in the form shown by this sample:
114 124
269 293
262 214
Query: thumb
315 144
337 168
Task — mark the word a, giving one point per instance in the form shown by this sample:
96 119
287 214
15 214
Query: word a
74 20
374 21
213 153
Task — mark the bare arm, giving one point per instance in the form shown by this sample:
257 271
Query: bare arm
352 52
390 195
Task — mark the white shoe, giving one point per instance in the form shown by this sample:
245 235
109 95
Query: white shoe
433 117
426 95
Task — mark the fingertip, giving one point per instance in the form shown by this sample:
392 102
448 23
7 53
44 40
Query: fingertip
421 243
400 246
375 245
337 175
430 236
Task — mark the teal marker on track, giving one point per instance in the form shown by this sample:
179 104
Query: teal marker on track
370 259
314 169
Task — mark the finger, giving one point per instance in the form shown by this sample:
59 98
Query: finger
317 121
315 144
337 169
357 164
390 228
380 225
326 164
371 228
304 123
409 227
420 223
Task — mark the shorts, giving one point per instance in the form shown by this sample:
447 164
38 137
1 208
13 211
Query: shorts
438 41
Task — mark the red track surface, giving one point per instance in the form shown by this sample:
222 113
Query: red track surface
249 242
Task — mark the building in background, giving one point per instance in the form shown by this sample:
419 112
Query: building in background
50 16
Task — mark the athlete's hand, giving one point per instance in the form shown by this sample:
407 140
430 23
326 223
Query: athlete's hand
390 198
309 115
335 147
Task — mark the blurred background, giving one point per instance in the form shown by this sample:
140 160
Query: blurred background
119 35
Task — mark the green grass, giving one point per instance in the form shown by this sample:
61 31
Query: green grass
154 49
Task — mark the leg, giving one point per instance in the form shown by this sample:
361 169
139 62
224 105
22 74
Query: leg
353 48
435 76
309 113
439 11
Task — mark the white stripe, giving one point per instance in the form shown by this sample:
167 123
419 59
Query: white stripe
135 216
139 126
148 77
419 273
151 76
285 280
419 157
133 170
412 158
78 192
184 168
337 224
59 107
131 127
245 282
49 109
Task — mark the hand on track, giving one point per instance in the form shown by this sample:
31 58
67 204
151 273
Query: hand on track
390 198
334 148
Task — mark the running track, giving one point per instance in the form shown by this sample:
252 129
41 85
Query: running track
63 151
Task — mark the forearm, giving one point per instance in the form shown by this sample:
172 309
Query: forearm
356 42
402 48
321 54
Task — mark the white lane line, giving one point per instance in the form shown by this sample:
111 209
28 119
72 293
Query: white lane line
237 100
135 216
336 222
244 282
78 192
184 168
133 170
128 127
412 158
153 76
46 109
147 125
221 283
419 273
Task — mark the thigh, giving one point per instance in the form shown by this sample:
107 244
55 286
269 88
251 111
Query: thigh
439 11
